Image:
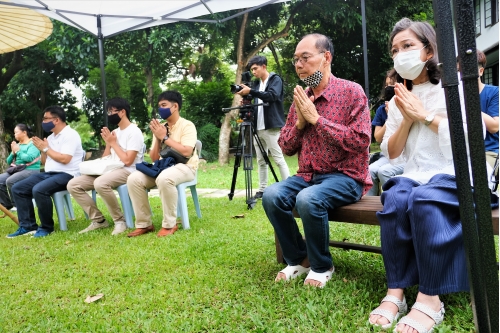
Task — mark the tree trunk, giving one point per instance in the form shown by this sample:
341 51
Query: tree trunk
148 72
225 130
242 60
3 146
15 61
150 91
276 58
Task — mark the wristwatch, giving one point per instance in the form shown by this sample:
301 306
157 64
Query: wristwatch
45 150
428 120
164 139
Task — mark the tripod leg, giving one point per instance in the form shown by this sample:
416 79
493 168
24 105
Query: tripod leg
264 153
237 160
246 128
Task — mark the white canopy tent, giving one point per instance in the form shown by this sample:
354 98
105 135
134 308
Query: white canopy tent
108 18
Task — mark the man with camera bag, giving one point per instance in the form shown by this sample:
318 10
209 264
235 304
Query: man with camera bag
269 119
180 135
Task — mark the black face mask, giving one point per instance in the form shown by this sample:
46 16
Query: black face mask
389 93
114 119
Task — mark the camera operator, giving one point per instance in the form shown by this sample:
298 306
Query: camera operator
268 120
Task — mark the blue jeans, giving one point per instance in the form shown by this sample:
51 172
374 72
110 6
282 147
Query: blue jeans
39 187
381 171
6 183
312 200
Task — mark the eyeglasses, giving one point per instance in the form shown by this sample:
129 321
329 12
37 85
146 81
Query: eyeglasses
303 58
48 118
110 112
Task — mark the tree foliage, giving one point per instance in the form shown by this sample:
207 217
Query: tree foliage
193 58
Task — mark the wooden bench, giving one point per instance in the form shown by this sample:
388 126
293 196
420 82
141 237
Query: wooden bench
362 212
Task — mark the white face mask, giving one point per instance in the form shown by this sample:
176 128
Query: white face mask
408 64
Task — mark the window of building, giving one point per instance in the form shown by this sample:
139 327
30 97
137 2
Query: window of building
496 12
490 75
490 12
477 12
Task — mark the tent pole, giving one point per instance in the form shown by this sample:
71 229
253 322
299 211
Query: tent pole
473 200
100 43
365 49
466 42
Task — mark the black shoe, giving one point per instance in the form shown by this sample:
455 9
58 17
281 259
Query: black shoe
258 195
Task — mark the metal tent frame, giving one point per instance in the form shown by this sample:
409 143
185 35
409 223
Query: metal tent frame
475 210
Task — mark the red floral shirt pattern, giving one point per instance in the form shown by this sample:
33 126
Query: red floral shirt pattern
340 140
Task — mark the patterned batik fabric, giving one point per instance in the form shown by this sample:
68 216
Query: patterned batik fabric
340 139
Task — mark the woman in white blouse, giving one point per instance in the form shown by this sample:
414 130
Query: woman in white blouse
421 233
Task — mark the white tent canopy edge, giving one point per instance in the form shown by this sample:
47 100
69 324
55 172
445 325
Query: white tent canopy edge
120 16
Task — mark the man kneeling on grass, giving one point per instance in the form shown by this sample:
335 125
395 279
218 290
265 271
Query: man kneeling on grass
179 134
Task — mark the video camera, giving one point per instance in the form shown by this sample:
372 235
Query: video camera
246 109
246 78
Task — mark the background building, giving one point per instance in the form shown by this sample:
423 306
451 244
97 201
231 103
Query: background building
486 14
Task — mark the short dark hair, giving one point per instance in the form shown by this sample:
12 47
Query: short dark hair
119 104
56 111
257 60
171 96
426 34
481 58
25 128
323 43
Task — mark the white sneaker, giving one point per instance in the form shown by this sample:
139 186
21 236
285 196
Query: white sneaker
95 226
13 209
119 228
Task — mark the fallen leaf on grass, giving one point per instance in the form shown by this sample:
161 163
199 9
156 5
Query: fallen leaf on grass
28 291
67 242
239 216
91 299
345 280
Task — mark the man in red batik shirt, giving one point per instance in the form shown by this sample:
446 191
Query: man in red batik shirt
329 127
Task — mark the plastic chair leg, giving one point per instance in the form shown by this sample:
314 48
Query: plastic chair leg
69 206
94 197
182 205
59 204
194 195
128 210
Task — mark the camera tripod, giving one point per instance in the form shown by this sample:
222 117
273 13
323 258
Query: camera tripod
244 150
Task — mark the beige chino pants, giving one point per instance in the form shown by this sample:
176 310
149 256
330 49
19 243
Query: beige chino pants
166 182
104 185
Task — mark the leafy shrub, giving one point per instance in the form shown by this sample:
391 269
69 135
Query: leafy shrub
209 137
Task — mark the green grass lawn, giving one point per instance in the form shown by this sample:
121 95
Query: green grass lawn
212 175
216 277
